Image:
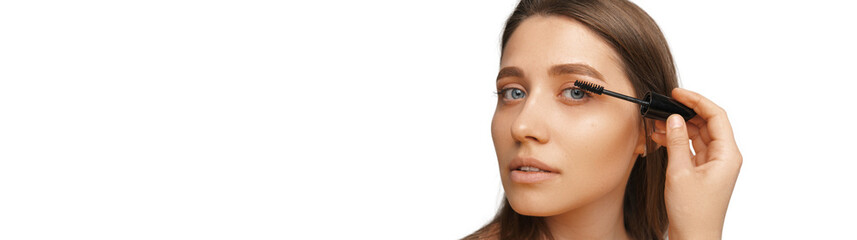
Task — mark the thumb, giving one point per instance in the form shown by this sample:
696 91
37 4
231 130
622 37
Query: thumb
678 148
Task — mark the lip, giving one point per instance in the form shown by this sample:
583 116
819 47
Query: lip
530 177
532 162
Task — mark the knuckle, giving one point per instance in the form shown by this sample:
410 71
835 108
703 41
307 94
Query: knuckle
673 178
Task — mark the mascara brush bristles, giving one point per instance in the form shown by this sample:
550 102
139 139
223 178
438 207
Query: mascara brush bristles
597 89
589 87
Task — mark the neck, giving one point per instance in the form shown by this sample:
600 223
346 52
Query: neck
601 219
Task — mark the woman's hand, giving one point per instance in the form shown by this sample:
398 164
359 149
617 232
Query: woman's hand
698 187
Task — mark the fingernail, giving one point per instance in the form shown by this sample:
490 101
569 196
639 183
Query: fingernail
675 121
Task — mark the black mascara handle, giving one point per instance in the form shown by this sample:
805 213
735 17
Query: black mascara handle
661 107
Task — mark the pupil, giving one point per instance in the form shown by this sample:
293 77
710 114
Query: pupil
576 93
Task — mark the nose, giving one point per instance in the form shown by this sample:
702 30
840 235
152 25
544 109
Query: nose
531 123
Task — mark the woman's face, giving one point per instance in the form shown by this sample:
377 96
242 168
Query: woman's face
587 142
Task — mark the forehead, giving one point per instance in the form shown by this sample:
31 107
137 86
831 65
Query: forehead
542 41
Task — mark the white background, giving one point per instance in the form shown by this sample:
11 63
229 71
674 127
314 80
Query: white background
369 119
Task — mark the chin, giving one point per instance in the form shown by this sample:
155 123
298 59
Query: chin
534 210
532 205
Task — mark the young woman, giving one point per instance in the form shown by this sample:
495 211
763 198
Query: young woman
575 165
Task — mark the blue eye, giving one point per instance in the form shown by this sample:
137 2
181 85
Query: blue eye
574 93
513 93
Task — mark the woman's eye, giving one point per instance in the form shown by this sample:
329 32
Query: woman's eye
574 93
513 93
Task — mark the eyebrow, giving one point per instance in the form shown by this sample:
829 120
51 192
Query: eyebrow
570 68
509 72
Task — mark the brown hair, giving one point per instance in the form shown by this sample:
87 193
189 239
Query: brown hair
649 66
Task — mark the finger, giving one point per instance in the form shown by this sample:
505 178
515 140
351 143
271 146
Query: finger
700 158
714 116
703 129
678 148
692 131
699 146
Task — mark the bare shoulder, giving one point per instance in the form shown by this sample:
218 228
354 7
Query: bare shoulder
488 232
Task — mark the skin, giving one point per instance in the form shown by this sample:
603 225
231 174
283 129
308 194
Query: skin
698 187
593 141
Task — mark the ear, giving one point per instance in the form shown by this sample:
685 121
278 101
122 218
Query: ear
646 128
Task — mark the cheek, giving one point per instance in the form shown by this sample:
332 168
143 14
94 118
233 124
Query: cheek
599 146
501 126
501 131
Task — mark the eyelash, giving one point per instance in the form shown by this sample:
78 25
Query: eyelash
503 91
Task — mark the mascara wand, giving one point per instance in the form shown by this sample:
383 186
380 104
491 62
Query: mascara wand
653 105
